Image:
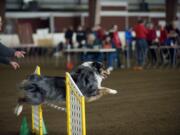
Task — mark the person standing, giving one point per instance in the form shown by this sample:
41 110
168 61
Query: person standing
117 43
69 36
173 40
6 53
129 39
80 36
141 44
111 56
152 42
163 35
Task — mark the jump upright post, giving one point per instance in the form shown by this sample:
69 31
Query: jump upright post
75 107
38 126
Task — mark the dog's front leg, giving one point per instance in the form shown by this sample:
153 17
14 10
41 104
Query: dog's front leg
94 98
102 91
106 91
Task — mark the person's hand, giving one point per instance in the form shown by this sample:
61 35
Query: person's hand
19 54
14 64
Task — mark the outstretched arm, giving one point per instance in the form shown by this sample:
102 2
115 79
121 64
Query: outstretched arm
5 51
8 52
6 61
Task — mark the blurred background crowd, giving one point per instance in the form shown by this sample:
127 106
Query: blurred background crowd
137 34
144 35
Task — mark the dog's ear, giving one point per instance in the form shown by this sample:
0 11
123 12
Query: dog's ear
97 65
34 77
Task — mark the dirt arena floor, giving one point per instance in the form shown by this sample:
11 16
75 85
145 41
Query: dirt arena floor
147 103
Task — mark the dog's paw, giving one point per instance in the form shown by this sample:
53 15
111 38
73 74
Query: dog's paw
113 91
18 109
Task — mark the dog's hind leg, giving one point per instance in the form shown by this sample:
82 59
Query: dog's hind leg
22 100
19 107
33 99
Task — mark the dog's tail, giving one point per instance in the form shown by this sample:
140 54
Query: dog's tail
59 108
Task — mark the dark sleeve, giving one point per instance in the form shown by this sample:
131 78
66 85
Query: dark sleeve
5 51
178 32
4 60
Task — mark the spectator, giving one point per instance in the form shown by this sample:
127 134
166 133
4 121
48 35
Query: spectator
111 56
173 39
6 53
129 40
143 6
141 44
173 33
152 42
100 34
163 35
97 41
91 43
69 35
117 43
80 36
91 40
162 42
178 22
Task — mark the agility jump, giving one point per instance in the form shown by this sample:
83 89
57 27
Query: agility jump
49 89
38 126
75 107
75 110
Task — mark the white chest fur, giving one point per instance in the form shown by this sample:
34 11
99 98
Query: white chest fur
99 80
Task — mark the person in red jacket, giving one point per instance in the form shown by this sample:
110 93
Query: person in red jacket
162 42
163 35
100 33
141 44
152 41
117 43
